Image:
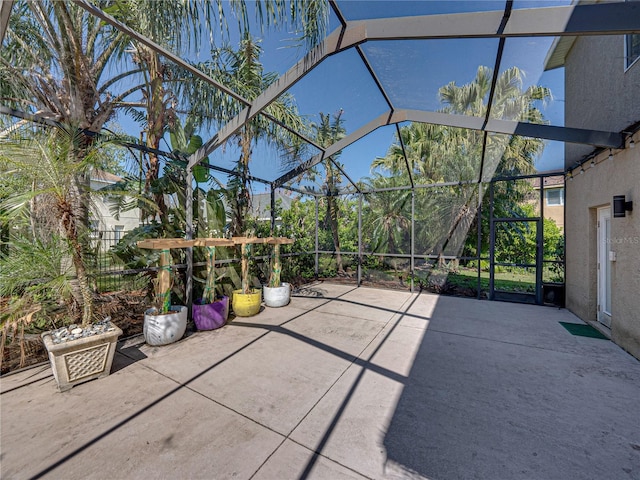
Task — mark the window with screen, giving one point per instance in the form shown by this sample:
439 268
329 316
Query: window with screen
555 197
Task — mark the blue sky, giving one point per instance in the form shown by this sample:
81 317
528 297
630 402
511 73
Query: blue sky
411 72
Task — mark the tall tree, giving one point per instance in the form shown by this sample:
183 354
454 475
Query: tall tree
328 131
60 61
179 26
438 153
387 220
242 71
48 161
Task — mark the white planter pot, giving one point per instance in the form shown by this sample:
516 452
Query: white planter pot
83 359
277 296
163 329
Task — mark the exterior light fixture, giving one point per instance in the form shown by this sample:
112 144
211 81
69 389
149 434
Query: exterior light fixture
610 155
570 175
621 206
593 162
632 144
581 169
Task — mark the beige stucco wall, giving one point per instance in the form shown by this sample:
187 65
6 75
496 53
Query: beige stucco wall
584 194
599 93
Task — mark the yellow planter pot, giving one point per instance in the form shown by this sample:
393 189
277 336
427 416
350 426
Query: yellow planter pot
246 304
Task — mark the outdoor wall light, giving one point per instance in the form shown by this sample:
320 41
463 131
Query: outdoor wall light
632 144
610 155
593 162
621 206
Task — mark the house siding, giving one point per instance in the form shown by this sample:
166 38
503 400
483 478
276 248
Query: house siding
101 208
601 95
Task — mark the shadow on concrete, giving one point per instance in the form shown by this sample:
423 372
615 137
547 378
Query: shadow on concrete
127 355
478 408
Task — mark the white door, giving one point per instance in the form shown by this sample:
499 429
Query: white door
604 266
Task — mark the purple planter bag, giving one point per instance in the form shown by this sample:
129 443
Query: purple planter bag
209 316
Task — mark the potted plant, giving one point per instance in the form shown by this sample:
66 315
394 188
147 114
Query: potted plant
246 301
277 294
164 323
211 311
48 210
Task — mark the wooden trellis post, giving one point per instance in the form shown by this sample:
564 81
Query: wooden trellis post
211 244
163 286
246 243
276 268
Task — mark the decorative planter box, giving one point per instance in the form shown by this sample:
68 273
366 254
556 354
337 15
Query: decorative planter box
83 359
277 296
209 316
164 328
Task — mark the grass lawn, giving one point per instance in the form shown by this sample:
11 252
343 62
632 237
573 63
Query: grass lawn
506 281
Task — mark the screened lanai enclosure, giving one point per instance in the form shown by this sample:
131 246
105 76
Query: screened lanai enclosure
404 145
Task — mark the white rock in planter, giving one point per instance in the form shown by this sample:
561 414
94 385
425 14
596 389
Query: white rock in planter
164 328
78 355
277 296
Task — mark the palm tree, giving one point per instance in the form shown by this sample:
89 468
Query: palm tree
167 88
54 62
49 162
388 222
326 133
438 153
59 61
243 73
63 63
514 155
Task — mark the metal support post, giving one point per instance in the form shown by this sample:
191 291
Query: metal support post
492 244
479 244
413 242
540 246
273 210
317 242
360 239
188 236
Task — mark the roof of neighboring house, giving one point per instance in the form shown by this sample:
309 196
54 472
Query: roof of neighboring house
261 203
102 176
552 181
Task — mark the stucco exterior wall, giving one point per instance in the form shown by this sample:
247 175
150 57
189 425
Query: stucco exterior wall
599 94
584 194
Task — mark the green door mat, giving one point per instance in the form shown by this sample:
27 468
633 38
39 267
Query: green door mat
582 330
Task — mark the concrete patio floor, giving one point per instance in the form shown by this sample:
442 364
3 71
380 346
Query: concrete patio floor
342 383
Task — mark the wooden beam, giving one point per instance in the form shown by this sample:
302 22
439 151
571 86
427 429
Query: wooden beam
280 241
213 242
164 243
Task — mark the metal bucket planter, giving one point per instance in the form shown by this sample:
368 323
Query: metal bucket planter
246 304
164 328
209 316
277 296
82 359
